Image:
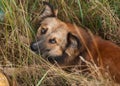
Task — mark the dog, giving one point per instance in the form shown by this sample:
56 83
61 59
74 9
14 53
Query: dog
65 43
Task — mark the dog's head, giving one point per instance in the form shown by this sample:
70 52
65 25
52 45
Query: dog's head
54 41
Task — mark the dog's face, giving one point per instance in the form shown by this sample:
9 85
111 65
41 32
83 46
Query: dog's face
51 38
54 41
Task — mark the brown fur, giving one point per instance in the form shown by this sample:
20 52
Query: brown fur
64 43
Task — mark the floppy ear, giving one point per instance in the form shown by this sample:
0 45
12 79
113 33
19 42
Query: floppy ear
73 44
73 41
48 11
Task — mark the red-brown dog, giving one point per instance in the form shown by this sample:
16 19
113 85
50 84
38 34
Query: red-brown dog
65 43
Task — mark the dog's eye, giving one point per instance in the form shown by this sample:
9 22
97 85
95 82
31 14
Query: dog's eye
52 41
43 30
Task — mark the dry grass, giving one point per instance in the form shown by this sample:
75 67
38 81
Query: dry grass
19 27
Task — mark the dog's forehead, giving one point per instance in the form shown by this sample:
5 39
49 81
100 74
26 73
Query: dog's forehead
59 33
51 22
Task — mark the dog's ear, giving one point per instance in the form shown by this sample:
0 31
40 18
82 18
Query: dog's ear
48 11
73 41
73 44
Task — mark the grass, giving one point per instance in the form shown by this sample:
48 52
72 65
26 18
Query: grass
20 25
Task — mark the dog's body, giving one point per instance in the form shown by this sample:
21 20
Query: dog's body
65 43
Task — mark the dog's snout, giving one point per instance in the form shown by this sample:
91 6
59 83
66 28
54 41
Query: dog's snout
33 46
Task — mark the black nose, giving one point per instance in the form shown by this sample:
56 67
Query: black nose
33 46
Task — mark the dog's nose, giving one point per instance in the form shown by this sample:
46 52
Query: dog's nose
33 46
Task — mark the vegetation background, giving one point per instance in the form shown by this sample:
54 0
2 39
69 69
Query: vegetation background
18 28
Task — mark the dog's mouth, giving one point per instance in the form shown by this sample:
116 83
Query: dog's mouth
54 60
51 60
57 59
